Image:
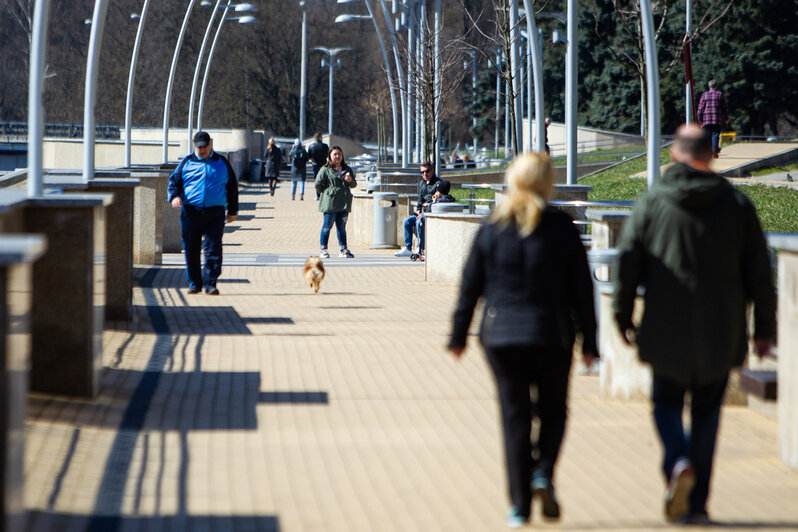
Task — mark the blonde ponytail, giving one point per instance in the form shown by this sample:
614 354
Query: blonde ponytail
530 180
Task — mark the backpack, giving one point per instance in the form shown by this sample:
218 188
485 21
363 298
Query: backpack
301 158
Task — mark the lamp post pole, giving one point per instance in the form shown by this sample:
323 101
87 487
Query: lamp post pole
571 79
400 76
388 71
168 97
303 77
688 97
190 128
515 69
90 95
332 62
38 54
130 79
652 86
436 87
536 56
241 20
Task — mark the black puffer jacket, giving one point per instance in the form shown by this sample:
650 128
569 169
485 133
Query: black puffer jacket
538 290
425 191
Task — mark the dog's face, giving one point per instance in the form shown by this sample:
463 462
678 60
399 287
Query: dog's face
314 262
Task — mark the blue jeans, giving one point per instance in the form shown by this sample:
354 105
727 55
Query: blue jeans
301 187
194 224
414 224
714 130
339 219
699 443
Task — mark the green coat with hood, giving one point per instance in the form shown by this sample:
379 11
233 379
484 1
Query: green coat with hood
334 192
695 245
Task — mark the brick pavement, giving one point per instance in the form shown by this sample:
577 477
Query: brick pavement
271 408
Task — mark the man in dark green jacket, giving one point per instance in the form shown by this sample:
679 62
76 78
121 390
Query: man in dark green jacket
695 245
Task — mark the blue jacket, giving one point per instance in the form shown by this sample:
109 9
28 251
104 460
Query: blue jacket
205 183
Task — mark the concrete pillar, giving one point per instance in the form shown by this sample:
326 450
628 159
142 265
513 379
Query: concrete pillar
16 255
68 292
148 211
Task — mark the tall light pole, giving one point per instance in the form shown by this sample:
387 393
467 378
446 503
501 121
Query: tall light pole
473 55
190 127
536 57
239 8
90 95
400 75
515 69
652 86
168 96
330 62
303 71
130 79
246 19
688 99
388 71
571 79
436 86
38 55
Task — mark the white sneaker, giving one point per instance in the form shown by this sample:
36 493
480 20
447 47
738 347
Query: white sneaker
323 254
404 253
346 254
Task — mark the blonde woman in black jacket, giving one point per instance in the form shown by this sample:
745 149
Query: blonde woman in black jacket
529 265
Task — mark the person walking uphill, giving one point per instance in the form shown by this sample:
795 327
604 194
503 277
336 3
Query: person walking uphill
299 160
332 184
529 265
713 114
694 242
202 186
318 154
273 158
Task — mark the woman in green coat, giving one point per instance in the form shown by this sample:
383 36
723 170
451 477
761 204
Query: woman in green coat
333 183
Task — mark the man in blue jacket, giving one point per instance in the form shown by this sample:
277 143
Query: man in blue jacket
202 186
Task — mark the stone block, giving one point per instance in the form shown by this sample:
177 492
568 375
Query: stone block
148 210
68 292
449 238
16 255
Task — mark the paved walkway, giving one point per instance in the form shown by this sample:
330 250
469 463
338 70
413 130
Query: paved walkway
271 408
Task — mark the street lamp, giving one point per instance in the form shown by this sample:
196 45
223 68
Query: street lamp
652 86
239 8
473 54
245 19
391 85
92 63
38 54
535 66
330 62
303 70
168 96
130 78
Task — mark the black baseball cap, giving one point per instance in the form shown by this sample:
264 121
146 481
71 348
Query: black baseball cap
201 138
443 187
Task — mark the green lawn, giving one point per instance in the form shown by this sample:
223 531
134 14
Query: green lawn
774 169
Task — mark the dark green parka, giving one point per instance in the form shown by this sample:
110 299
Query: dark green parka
335 195
695 244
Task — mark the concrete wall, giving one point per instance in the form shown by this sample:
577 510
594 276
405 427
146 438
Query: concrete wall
146 148
588 139
449 238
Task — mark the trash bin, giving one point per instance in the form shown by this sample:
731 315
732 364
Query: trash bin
255 170
384 228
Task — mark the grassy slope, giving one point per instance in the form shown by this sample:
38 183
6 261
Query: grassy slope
776 206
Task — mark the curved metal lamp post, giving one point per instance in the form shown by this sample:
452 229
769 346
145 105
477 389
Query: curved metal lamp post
537 75
90 96
246 19
168 98
652 90
38 54
130 79
388 72
400 76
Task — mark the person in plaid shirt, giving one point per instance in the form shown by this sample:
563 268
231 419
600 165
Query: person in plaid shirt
713 114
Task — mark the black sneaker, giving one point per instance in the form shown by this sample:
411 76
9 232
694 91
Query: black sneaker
346 254
194 289
543 488
212 291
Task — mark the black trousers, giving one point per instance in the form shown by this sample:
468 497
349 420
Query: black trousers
196 223
517 370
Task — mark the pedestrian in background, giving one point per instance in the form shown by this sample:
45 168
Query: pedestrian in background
202 186
713 114
272 158
318 152
695 244
332 184
529 265
299 159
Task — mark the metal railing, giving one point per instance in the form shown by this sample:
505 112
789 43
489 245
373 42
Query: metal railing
20 129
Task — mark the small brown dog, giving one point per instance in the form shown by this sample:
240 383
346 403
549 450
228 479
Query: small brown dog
314 272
